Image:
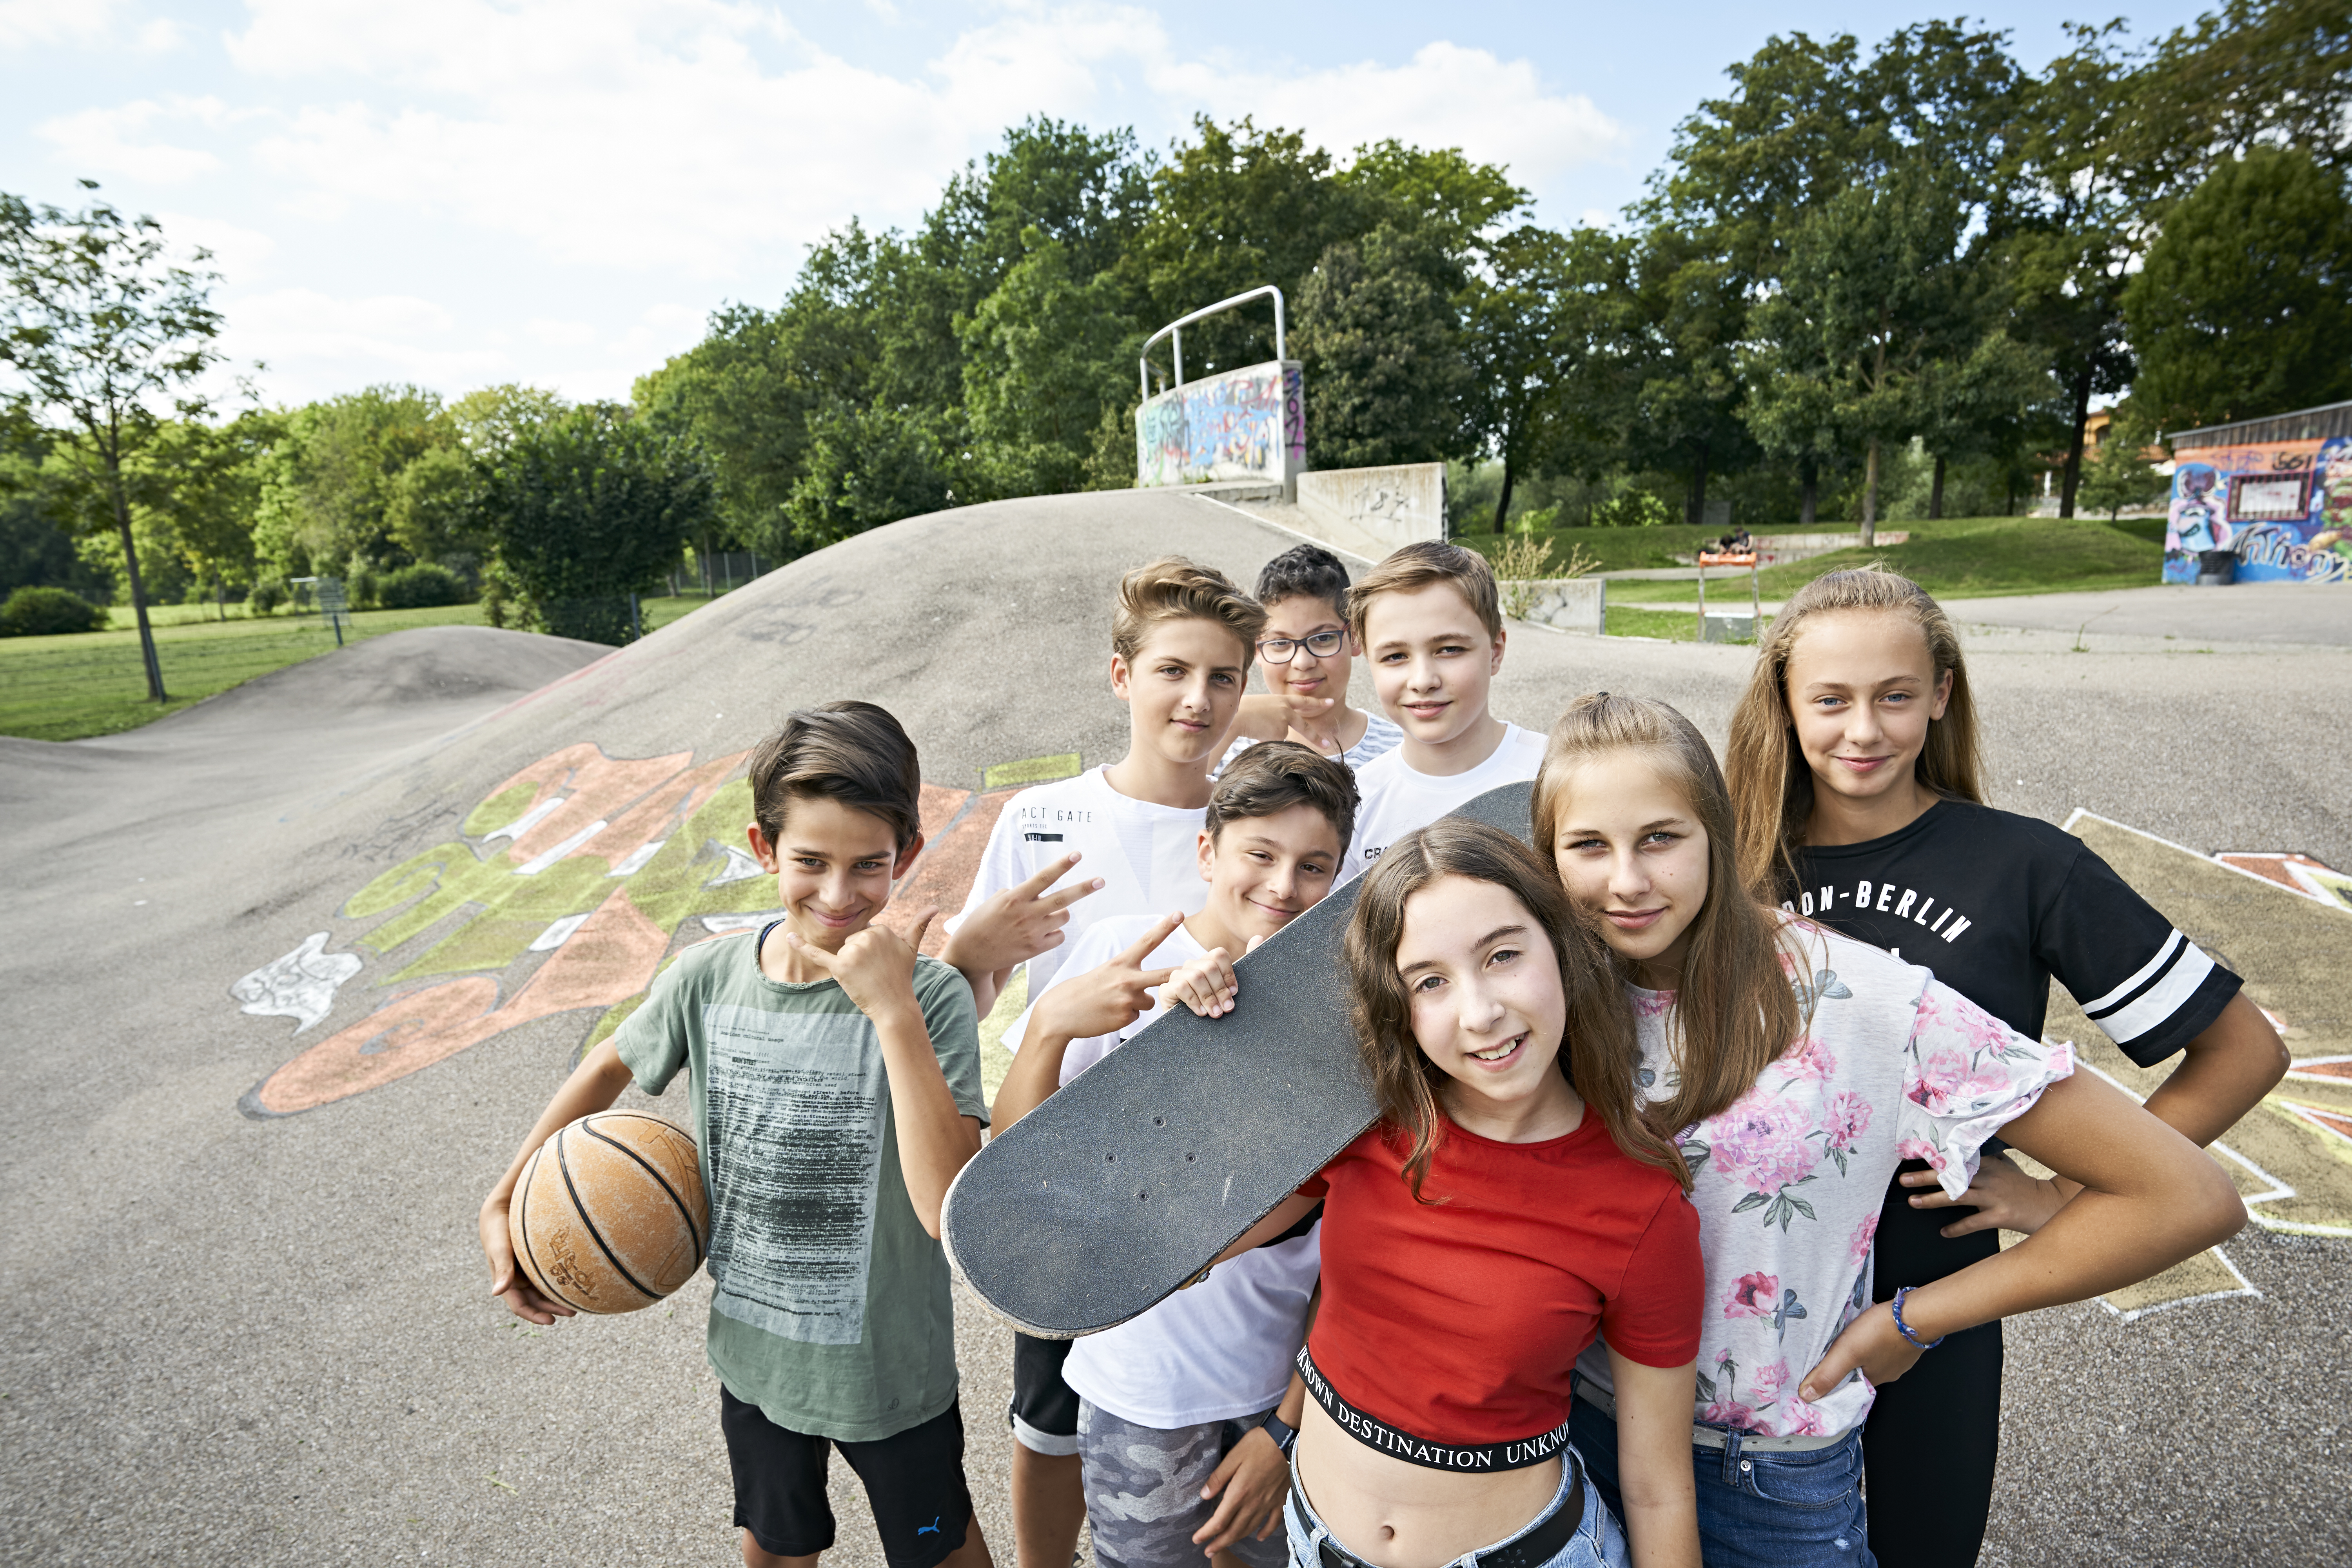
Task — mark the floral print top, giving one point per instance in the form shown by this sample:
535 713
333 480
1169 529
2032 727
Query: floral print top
1891 1066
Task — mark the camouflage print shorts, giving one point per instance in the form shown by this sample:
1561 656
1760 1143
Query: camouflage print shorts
1143 1490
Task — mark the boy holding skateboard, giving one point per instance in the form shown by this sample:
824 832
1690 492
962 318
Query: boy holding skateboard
835 1080
1182 639
1431 621
1173 1403
1305 654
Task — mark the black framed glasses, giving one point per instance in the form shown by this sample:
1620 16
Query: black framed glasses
1282 651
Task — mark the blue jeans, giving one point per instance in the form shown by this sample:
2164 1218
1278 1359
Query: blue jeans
1598 1542
1754 1511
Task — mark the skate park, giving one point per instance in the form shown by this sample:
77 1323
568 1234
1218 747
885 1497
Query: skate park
251 1318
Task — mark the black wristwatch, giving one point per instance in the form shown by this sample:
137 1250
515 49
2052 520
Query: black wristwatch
1285 1435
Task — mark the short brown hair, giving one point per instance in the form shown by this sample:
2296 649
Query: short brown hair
854 753
1410 568
1599 1051
1771 782
1275 775
1172 588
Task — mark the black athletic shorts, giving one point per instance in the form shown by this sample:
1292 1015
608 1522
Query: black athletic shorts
914 1480
1044 1409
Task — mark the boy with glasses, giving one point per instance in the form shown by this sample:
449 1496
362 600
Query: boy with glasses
1306 651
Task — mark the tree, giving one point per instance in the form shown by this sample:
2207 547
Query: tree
2120 474
1546 335
588 508
1236 208
1864 309
101 334
1378 332
1044 355
328 502
2244 306
2251 73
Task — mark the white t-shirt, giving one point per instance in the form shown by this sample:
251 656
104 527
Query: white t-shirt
1894 1065
1381 736
1145 854
1397 799
1224 1348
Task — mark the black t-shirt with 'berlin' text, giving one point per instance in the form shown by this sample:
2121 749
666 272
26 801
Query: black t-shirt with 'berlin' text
1996 904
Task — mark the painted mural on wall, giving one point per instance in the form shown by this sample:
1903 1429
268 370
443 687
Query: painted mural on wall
2282 507
1243 425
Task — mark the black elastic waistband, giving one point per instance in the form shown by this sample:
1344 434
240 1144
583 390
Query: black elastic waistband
1373 1432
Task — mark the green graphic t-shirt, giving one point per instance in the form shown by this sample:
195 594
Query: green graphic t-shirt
831 1310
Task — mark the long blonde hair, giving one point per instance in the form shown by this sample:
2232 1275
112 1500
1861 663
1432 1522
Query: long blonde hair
1735 1013
1771 785
1598 1051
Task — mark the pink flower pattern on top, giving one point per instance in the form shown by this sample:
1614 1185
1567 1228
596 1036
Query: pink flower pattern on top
1789 1180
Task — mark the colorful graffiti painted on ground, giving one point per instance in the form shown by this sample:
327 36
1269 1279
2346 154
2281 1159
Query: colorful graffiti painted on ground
2283 508
1248 425
566 888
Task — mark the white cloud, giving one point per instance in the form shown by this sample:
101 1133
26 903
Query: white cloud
116 140
240 254
23 22
161 37
317 344
1495 111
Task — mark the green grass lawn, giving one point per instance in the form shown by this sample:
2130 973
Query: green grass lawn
1955 558
63 687
66 688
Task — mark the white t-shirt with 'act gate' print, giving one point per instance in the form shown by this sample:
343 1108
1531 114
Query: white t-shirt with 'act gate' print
1788 1181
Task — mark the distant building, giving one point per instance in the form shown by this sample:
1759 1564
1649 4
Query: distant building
2269 500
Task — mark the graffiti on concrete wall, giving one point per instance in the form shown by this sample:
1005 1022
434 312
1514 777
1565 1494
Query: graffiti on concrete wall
2283 508
1248 425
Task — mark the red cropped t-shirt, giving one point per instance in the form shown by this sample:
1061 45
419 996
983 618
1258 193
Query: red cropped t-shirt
1449 1330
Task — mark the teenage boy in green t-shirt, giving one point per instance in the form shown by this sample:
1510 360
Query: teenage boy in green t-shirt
835 1081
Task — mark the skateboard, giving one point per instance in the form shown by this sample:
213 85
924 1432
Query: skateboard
1118 1189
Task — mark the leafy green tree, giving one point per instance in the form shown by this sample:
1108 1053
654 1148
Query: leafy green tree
102 335
1233 209
589 507
1044 355
864 468
1686 387
2244 306
1382 346
200 485
328 501
2248 74
1845 348
2120 474
1547 333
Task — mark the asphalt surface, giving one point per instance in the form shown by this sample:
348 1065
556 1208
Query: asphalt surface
256 1341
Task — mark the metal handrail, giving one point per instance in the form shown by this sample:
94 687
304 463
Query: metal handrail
1175 328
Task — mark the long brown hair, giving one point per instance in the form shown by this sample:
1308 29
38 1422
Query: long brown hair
1735 1013
1598 1052
1771 785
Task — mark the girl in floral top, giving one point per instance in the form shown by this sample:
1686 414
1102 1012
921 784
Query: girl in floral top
1800 1067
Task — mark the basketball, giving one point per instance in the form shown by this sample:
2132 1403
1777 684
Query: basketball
610 1214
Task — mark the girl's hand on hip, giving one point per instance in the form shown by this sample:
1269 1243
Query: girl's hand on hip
2001 1194
1870 1345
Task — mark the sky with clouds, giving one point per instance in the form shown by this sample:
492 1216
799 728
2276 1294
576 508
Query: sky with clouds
558 192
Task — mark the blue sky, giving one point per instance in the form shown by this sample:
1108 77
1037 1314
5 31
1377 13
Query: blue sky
558 192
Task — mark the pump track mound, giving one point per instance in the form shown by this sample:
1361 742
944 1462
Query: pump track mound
289 973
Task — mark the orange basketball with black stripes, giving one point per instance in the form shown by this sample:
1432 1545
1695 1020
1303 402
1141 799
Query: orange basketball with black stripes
610 1214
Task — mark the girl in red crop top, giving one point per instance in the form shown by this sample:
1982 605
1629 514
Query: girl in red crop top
1509 1204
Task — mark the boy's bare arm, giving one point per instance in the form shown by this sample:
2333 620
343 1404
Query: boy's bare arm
1262 716
594 1086
1011 928
875 968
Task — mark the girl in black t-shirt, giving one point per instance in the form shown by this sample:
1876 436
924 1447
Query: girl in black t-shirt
1854 764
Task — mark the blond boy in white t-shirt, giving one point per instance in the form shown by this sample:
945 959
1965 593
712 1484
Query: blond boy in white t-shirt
1430 620
1182 639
